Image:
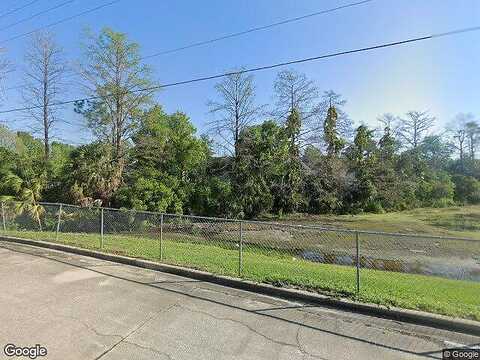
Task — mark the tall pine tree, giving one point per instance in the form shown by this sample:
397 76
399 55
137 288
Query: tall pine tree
332 139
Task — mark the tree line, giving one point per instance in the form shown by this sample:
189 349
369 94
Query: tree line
299 154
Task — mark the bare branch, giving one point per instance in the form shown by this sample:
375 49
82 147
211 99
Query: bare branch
235 110
45 70
464 134
414 127
5 68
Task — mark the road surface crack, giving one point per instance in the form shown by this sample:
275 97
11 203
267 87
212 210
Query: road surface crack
139 327
301 347
95 331
405 332
148 348
84 324
296 345
240 323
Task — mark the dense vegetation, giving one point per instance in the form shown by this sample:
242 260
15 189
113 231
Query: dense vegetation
300 154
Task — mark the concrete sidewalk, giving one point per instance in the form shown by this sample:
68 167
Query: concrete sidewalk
84 308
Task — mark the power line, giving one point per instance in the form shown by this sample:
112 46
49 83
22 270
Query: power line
54 24
266 67
255 29
60 21
37 15
13 11
237 34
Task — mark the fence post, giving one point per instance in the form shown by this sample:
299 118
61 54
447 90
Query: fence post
58 222
4 222
240 250
160 245
101 228
357 260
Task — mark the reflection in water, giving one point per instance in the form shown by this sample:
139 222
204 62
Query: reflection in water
458 269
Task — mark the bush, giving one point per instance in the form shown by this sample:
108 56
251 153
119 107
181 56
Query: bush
467 189
374 207
437 191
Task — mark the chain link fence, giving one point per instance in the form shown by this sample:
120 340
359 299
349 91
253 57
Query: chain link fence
310 257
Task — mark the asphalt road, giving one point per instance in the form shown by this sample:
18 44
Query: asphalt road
83 308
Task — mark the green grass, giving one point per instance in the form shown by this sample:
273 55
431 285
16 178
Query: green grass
459 221
427 293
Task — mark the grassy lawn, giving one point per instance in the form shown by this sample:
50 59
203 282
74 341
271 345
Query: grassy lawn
428 293
461 221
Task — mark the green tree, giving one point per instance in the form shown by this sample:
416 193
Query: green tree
435 152
25 170
343 122
22 180
467 189
113 73
7 167
331 136
324 182
262 170
291 196
55 189
394 190
9 140
436 189
362 156
212 194
89 174
165 160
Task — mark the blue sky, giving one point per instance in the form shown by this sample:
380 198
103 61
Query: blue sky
439 75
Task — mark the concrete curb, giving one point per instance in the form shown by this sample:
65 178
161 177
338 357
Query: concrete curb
409 316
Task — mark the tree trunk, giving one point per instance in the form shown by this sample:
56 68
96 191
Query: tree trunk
46 124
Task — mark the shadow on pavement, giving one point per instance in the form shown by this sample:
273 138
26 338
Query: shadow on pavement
260 312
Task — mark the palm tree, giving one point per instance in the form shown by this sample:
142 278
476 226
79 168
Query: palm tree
28 193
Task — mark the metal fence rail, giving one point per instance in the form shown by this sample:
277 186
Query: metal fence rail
307 255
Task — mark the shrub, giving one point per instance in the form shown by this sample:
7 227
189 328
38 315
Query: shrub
467 189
